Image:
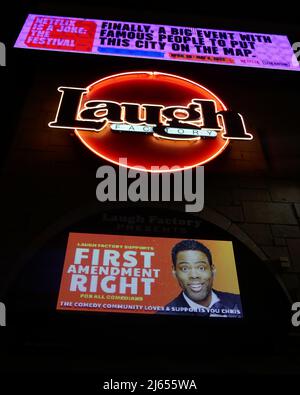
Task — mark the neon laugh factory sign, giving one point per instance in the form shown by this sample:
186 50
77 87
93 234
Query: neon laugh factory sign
151 118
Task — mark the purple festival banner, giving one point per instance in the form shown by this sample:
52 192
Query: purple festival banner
162 42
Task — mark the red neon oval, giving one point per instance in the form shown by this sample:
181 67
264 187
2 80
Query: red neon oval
146 151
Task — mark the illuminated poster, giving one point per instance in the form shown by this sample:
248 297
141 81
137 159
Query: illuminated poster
149 275
160 42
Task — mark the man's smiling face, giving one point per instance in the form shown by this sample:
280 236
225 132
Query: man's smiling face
195 275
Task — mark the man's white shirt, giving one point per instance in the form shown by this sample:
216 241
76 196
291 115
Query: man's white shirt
197 307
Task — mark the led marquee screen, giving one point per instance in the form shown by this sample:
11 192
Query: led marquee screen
149 275
162 42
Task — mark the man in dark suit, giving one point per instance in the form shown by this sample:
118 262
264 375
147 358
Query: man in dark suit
194 270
